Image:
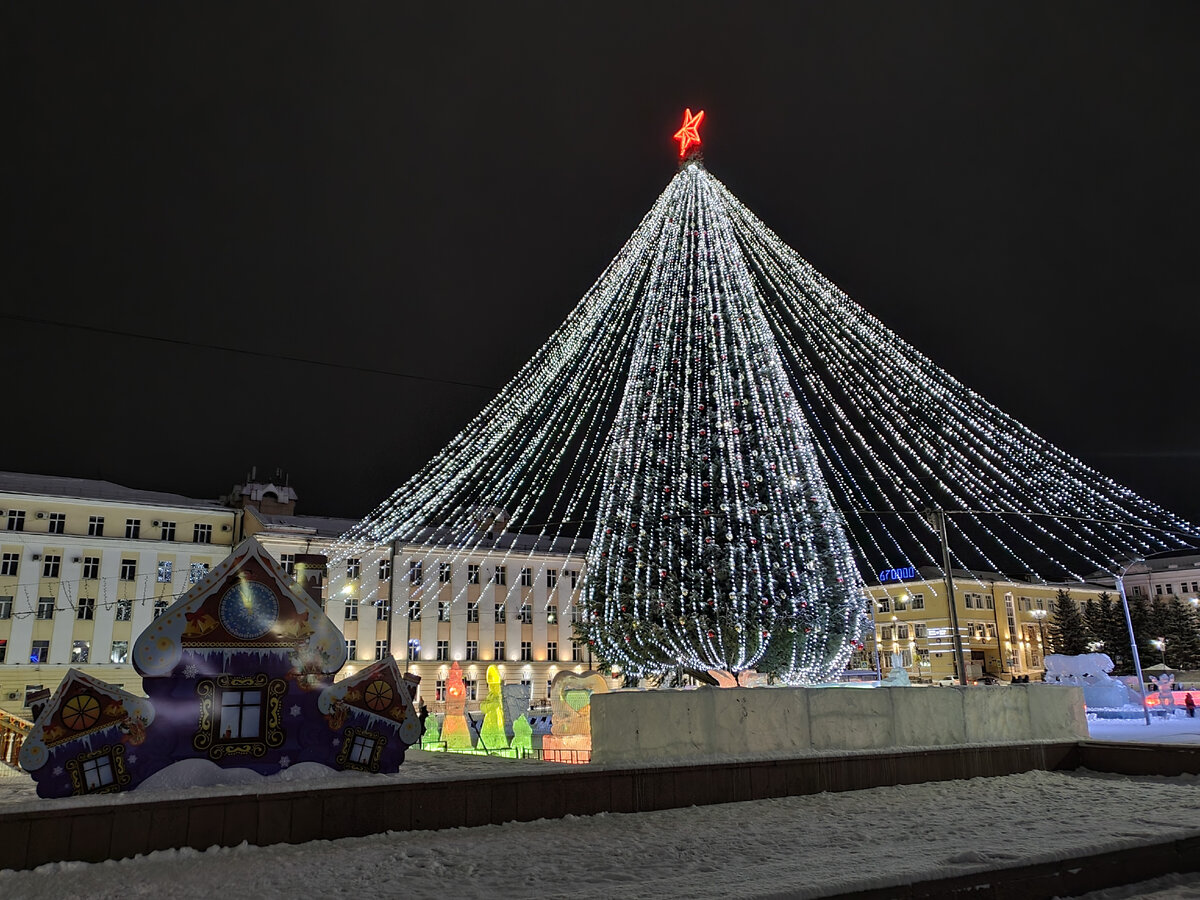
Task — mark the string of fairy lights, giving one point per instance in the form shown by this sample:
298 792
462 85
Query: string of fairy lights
729 446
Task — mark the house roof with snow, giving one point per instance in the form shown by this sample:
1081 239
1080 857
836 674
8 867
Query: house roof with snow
93 489
380 691
246 603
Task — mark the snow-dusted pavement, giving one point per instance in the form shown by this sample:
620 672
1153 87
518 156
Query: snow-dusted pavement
791 847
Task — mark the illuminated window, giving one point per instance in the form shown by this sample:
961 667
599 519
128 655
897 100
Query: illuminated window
414 649
362 746
120 652
98 772
552 614
39 651
164 571
197 572
124 610
160 607
81 651
241 715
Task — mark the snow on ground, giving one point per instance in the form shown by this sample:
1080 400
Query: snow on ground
793 847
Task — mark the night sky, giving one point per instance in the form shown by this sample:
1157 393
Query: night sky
234 233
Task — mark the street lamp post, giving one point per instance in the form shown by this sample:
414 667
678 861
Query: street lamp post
1040 615
1160 644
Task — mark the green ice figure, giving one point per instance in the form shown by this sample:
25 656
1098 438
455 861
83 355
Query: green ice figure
432 735
493 736
522 742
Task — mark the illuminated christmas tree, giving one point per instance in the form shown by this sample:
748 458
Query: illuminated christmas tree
735 446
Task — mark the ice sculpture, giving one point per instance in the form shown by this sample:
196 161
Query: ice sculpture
1091 672
493 736
456 732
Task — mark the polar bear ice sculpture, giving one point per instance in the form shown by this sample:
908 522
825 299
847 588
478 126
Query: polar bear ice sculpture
1091 672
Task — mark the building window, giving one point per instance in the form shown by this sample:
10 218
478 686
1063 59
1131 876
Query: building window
918 601
128 569
549 687
902 632
527 577
414 649
166 531
165 568
444 573
1041 602
124 610
353 568
439 689
91 568
526 614
160 607
473 612
919 630
352 610
501 616
472 688
58 523
414 610
351 649
201 534
362 748
472 573
381 612
574 613
884 605
3 650
552 651
6 607
98 772
287 562
1137 590
120 652
86 609
901 603
574 652
472 650
45 608
552 578
133 529
39 651
443 611
197 572
991 629
51 563
96 526
16 520
443 650
9 563
552 614
381 650
241 715
498 650
574 573
385 568
500 576
414 571
81 651
1024 603
885 632
526 651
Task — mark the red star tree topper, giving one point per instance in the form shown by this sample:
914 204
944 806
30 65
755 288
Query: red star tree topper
690 132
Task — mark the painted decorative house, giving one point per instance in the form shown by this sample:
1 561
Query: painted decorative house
87 739
238 671
372 717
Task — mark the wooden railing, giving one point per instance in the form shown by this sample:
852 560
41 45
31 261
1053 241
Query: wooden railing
13 731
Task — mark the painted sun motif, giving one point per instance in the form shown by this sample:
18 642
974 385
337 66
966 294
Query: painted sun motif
378 694
80 712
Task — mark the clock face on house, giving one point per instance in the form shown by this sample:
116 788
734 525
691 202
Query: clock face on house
248 610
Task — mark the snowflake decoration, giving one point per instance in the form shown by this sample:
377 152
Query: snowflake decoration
337 742
58 770
284 762
295 710
132 758
190 670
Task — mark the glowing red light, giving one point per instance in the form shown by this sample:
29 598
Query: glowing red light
690 132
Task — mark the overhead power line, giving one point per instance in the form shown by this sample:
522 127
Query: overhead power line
261 354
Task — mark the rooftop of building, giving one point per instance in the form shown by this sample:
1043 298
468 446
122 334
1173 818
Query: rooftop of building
95 489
